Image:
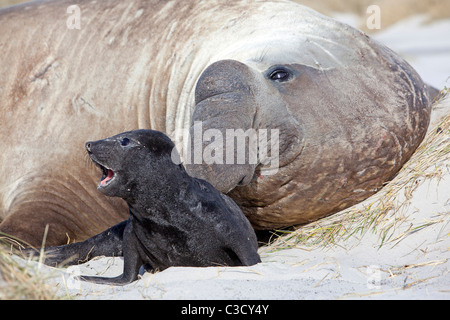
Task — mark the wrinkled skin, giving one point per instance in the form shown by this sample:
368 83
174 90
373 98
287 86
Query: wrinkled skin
175 220
331 154
349 111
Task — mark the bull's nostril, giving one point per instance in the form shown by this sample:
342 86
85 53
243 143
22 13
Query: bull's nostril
88 146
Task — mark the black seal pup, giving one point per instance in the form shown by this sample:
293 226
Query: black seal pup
175 219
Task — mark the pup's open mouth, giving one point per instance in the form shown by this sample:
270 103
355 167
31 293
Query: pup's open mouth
107 176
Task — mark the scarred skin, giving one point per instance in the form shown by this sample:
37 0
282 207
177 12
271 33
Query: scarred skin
349 111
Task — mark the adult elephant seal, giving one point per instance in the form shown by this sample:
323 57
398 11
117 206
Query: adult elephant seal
347 111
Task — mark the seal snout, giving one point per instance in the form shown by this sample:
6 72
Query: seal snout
107 173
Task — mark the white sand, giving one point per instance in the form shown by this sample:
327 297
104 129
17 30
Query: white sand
417 266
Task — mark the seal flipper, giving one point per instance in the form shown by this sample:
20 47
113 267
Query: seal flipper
242 255
250 258
132 261
243 251
108 243
130 273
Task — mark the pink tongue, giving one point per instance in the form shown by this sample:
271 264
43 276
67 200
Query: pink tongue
108 177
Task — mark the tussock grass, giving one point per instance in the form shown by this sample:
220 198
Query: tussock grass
19 280
383 213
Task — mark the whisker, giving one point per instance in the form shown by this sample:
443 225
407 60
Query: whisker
88 162
263 54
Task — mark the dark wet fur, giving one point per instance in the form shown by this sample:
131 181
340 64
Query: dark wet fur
175 220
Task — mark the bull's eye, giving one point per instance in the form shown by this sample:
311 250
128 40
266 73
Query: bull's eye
279 75
125 142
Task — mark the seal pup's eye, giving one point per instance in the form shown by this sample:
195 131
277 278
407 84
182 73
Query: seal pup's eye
125 142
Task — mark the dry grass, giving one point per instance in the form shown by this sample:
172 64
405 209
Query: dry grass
19 282
383 212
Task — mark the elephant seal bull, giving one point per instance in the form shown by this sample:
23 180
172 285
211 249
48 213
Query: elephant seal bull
175 220
346 110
